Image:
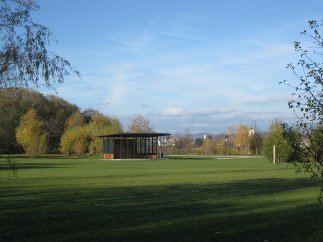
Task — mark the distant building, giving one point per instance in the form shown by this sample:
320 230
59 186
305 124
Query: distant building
251 131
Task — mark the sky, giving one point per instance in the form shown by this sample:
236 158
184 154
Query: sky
201 65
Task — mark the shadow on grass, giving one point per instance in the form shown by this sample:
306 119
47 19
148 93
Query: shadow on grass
66 157
184 157
15 156
29 165
249 210
208 157
24 162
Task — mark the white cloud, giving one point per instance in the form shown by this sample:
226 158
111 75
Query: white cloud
173 112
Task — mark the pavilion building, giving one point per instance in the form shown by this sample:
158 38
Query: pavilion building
134 145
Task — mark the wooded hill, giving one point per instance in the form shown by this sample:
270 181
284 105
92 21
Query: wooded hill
52 110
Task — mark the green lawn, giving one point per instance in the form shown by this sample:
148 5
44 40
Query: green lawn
179 199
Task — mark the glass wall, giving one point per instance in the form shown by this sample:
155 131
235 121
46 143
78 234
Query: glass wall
132 147
108 146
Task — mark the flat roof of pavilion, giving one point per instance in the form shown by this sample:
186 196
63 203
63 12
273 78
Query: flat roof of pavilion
134 135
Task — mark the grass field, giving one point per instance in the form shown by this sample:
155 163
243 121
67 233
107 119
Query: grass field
179 199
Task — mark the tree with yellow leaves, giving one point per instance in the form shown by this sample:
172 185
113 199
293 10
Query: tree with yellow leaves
31 134
242 139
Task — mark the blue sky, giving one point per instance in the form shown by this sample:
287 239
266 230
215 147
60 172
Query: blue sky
205 65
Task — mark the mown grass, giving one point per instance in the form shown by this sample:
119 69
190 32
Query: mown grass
63 199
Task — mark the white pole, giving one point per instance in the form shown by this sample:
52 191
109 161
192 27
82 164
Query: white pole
274 154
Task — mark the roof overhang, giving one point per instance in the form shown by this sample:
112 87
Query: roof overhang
134 135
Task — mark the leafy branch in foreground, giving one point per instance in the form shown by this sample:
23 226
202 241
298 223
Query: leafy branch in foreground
307 99
24 55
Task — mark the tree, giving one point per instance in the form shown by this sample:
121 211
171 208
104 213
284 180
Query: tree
307 98
75 140
75 135
75 120
80 137
209 146
140 125
256 142
179 145
242 138
183 143
52 110
188 141
25 57
31 134
198 142
55 116
88 114
276 138
99 125
294 139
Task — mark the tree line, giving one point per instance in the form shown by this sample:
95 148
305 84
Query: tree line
51 110
242 140
38 124
291 144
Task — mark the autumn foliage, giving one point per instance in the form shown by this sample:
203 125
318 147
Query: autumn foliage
31 134
80 138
